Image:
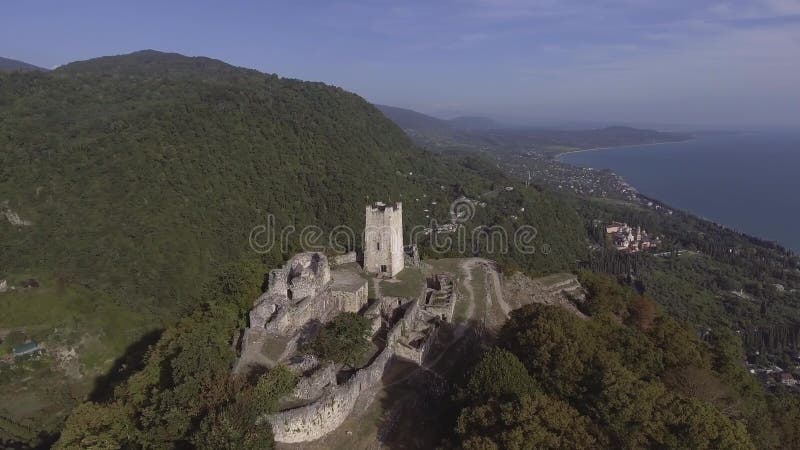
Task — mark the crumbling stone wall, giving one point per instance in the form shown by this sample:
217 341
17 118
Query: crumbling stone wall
407 352
373 314
347 258
351 301
411 256
317 419
326 414
290 318
295 295
410 336
441 296
313 384
279 281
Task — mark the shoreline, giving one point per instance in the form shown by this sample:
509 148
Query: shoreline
558 156
682 210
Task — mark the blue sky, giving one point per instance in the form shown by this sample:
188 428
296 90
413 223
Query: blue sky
626 61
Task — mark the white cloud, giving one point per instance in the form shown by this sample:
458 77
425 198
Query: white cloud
736 76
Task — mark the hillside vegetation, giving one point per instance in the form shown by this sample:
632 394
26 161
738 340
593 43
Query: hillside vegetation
141 172
627 377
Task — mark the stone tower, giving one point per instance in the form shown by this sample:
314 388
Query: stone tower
383 239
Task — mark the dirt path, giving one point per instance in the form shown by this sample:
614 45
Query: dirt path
466 268
376 286
498 287
493 291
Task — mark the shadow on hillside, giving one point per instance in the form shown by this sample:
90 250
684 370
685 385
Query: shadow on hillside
124 366
418 408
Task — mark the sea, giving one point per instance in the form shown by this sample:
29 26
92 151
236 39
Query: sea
747 181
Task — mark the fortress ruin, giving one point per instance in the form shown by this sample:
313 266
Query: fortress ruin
307 292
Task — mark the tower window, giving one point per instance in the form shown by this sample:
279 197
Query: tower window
377 246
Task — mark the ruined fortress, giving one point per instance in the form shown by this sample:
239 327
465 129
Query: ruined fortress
307 292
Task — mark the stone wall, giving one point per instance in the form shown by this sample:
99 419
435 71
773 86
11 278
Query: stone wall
406 352
411 256
347 258
351 301
313 421
296 294
317 419
312 385
441 297
373 314
279 281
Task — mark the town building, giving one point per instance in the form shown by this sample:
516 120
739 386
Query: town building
628 239
27 348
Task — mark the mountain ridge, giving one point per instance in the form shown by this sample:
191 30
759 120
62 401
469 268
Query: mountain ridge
12 65
475 131
157 63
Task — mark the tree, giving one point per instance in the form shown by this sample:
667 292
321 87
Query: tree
16 338
234 427
702 384
554 345
531 422
271 387
97 427
498 374
344 340
642 313
785 408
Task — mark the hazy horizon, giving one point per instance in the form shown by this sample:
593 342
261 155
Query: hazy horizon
703 64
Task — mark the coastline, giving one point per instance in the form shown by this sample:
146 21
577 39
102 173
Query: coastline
558 156
682 210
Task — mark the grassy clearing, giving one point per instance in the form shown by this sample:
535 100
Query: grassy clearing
37 392
452 265
479 288
406 284
97 325
460 313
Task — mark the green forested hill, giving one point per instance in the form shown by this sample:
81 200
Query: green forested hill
145 180
142 171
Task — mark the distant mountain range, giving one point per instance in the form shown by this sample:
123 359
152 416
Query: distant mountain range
469 123
10 65
485 133
413 122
